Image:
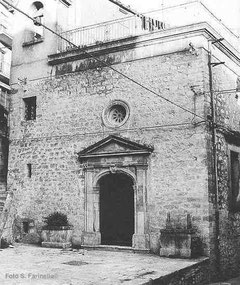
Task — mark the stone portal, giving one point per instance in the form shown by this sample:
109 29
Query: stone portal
116 193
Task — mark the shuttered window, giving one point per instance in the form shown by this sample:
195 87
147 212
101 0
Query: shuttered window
30 108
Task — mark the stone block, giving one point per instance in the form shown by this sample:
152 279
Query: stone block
61 236
77 242
141 242
179 243
91 238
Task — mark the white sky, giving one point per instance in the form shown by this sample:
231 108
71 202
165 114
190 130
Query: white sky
143 5
226 10
148 5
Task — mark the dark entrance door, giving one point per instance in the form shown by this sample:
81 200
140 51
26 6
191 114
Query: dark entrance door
116 209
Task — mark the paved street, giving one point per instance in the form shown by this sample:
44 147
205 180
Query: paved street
25 264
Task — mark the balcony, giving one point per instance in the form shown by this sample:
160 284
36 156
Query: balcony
175 16
4 102
4 73
3 118
107 31
5 37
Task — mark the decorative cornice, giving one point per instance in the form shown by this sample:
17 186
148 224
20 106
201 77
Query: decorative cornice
132 148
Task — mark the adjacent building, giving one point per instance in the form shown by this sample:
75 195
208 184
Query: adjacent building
128 121
5 64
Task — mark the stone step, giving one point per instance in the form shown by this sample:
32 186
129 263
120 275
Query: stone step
115 248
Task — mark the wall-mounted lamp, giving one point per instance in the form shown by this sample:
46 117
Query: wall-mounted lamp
237 96
192 49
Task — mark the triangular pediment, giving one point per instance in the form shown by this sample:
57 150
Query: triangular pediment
112 146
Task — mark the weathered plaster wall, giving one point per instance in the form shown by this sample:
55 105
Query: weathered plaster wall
55 17
69 110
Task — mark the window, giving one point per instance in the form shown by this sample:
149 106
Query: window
34 33
38 13
29 168
25 227
38 19
235 176
116 114
30 108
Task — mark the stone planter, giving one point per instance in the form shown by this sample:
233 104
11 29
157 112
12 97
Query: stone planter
59 237
182 243
179 239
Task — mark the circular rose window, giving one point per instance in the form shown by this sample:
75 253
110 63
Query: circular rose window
116 114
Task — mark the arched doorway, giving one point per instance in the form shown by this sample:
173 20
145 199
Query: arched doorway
116 209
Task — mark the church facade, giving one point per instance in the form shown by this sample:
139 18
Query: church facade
118 135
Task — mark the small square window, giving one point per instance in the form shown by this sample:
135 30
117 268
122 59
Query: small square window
29 168
235 176
30 108
25 227
35 32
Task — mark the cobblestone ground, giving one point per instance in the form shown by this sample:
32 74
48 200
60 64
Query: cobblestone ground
25 264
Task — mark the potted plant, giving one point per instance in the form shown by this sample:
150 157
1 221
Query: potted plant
57 232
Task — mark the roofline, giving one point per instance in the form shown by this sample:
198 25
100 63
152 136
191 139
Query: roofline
152 38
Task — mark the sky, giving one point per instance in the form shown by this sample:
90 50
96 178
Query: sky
143 5
148 5
226 10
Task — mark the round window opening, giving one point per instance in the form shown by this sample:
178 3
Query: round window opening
116 114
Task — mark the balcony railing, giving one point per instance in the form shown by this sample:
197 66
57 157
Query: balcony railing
5 37
4 100
107 31
5 68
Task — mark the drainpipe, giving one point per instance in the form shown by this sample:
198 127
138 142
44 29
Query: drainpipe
214 138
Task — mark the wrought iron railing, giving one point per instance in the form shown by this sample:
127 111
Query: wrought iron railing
107 31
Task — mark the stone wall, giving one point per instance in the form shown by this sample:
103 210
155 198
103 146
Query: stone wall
3 156
69 118
227 114
197 274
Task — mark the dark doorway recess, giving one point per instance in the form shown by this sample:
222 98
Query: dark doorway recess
116 210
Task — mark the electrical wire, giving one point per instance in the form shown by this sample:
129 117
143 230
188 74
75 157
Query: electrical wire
105 64
115 131
122 74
